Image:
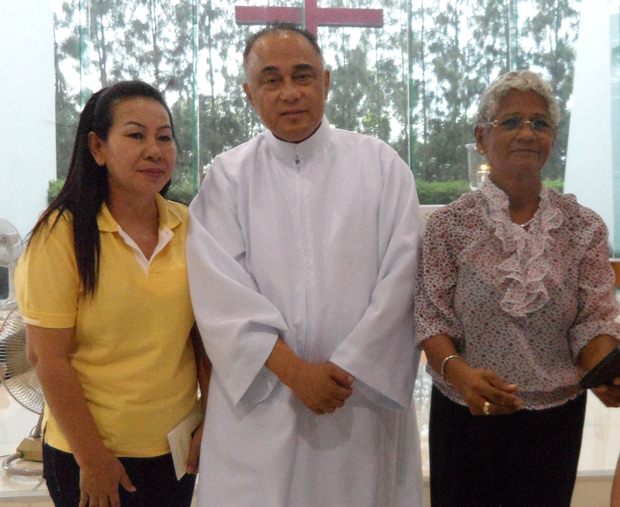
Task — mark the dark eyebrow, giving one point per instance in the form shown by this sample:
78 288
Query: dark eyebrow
303 66
268 69
132 123
138 124
520 114
273 68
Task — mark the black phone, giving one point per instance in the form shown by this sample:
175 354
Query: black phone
604 372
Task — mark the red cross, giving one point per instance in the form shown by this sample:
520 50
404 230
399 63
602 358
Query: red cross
311 15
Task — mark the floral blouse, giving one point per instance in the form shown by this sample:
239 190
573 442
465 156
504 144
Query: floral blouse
519 301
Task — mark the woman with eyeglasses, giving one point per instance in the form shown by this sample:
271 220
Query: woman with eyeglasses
515 302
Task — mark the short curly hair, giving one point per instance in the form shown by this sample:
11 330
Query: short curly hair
523 80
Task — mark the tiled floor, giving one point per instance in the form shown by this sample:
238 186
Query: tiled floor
16 422
601 437
601 445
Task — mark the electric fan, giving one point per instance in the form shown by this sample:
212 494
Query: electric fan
21 383
10 250
15 370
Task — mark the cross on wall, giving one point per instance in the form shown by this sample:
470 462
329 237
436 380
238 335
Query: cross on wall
311 16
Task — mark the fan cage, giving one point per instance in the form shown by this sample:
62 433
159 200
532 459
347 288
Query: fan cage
19 378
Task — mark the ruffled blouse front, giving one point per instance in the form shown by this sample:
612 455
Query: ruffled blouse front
521 301
523 271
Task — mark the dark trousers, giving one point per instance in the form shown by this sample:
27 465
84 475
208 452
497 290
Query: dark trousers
525 459
154 479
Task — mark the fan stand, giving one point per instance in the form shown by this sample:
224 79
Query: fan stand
17 377
26 461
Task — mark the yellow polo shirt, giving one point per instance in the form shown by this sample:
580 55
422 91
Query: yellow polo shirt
133 356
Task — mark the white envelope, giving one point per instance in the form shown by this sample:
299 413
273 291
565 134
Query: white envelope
180 438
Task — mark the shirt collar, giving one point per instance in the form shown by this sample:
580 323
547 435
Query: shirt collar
303 150
168 217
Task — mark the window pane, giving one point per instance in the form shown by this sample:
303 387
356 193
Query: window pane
459 48
414 81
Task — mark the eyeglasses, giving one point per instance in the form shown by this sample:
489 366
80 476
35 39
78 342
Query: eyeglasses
514 123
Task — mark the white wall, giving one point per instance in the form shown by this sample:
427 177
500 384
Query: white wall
589 172
27 119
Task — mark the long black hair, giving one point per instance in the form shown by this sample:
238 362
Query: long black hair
86 186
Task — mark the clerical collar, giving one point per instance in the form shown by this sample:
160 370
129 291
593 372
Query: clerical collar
303 150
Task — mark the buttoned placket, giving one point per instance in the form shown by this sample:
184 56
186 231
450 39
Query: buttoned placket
306 268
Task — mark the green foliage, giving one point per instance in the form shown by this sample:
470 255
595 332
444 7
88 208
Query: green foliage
429 192
460 47
181 191
444 192
555 184
53 189
417 89
440 192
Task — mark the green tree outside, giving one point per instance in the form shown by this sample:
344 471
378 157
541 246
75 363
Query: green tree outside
453 49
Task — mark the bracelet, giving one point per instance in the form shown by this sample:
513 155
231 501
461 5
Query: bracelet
443 367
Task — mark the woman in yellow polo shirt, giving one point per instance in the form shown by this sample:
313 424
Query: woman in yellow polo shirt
103 290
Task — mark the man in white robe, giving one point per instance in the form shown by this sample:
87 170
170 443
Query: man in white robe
302 256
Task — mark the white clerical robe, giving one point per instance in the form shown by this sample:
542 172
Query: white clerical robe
316 242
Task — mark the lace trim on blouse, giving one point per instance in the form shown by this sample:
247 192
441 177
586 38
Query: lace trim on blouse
522 273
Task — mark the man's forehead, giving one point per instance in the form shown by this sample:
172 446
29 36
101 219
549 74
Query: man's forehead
283 44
